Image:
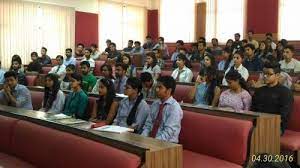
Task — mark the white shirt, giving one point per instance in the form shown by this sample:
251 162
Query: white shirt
153 71
60 70
273 45
241 69
96 55
185 76
292 65
91 61
58 103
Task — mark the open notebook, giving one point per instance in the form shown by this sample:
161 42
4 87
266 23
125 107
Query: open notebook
113 128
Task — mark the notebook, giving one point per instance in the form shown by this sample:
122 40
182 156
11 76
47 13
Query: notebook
114 129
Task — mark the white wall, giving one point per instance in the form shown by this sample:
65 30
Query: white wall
90 6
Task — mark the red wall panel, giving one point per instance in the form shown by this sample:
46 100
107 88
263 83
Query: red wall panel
152 26
86 28
262 16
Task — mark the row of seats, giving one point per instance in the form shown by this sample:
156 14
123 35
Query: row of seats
25 144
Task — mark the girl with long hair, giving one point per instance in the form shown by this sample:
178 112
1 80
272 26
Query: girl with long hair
151 65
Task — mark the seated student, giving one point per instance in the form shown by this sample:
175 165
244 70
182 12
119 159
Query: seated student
206 90
14 94
114 55
2 72
164 119
237 59
133 110
182 73
179 44
160 61
65 83
88 79
269 36
149 85
195 56
148 45
107 104
216 50
151 65
87 57
69 58
131 70
79 52
95 54
251 40
138 50
162 46
227 62
35 65
202 50
76 101
229 44
237 44
60 68
209 61
279 49
289 64
106 72
121 77
237 96
264 54
44 59
273 98
252 62
16 66
54 98
129 47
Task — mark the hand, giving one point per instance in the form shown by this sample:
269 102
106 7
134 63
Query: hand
198 80
252 83
7 89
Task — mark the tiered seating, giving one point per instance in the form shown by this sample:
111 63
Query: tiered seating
213 141
24 144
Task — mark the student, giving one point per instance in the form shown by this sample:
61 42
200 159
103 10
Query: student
69 58
164 119
148 45
76 101
44 59
131 70
252 62
107 104
133 110
237 96
79 52
14 94
17 68
138 51
289 64
209 61
273 98
65 83
237 59
88 79
279 49
182 73
264 54
206 90
237 44
195 56
216 50
160 61
179 44
106 72
121 77
229 44
59 69
87 57
162 46
201 39
269 36
35 65
2 72
17 58
95 54
151 65
251 40
54 98
202 50
227 61
114 55
129 47
149 85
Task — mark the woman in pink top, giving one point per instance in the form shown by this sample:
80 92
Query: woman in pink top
237 96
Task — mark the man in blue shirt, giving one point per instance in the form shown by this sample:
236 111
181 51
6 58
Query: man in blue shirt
14 94
164 119
69 58
252 62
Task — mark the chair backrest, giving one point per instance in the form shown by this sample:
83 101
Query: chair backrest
6 131
293 122
31 80
37 99
46 69
181 93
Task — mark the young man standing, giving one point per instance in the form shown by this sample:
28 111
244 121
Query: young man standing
69 58
164 119
289 64
14 94
121 78
252 62
88 79
273 98
44 59
59 69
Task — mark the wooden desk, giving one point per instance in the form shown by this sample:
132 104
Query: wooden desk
153 153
